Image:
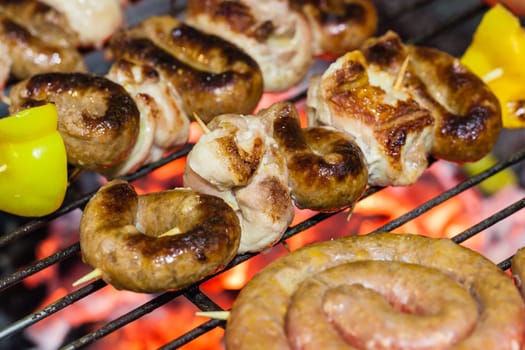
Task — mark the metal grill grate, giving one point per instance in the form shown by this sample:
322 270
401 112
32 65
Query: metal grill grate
446 25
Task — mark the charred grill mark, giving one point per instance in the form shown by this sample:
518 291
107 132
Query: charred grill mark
244 163
385 53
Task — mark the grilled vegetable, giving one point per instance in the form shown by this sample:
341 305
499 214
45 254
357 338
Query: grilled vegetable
496 54
33 162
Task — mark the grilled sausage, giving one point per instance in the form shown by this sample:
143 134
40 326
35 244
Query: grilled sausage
211 75
393 272
124 235
277 37
31 55
327 170
239 161
437 109
98 119
338 26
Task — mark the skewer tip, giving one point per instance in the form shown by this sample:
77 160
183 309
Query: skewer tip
93 275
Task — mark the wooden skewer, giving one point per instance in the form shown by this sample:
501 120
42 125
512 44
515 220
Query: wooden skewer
93 275
174 231
401 74
201 123
493 75
5 99
217 315
350 212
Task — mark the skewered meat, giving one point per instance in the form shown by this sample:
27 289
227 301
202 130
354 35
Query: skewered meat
437 108
98 119
338 26
93 20
387 278
327 170
278 38
157 241
240 162
262 164
41 46
284 36
163 124
211 75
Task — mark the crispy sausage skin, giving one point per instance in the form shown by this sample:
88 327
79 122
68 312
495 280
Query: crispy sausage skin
211 75
366 292
327 170
124 235
98 119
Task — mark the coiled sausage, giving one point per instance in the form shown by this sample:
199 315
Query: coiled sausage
124 235
392 272
327 170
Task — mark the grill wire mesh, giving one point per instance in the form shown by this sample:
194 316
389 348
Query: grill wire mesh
447 25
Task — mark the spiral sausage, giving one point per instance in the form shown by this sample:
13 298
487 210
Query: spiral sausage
121 234
98 119
393 272
211 75
327 170
438 108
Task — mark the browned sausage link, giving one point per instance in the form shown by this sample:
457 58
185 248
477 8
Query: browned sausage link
472 303
41 20
469 117
31 55
98 119
213 76
119 234
339 26
327 170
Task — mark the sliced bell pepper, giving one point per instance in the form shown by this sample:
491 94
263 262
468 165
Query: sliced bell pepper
497 55
33 162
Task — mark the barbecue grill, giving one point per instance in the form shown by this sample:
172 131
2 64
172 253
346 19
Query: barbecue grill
447 25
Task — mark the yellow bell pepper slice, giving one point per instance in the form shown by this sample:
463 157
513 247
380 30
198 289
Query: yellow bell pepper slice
33 162
497 55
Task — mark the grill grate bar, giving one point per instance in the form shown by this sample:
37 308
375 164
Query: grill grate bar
18 276
442 197
489 221
122 320
50 309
